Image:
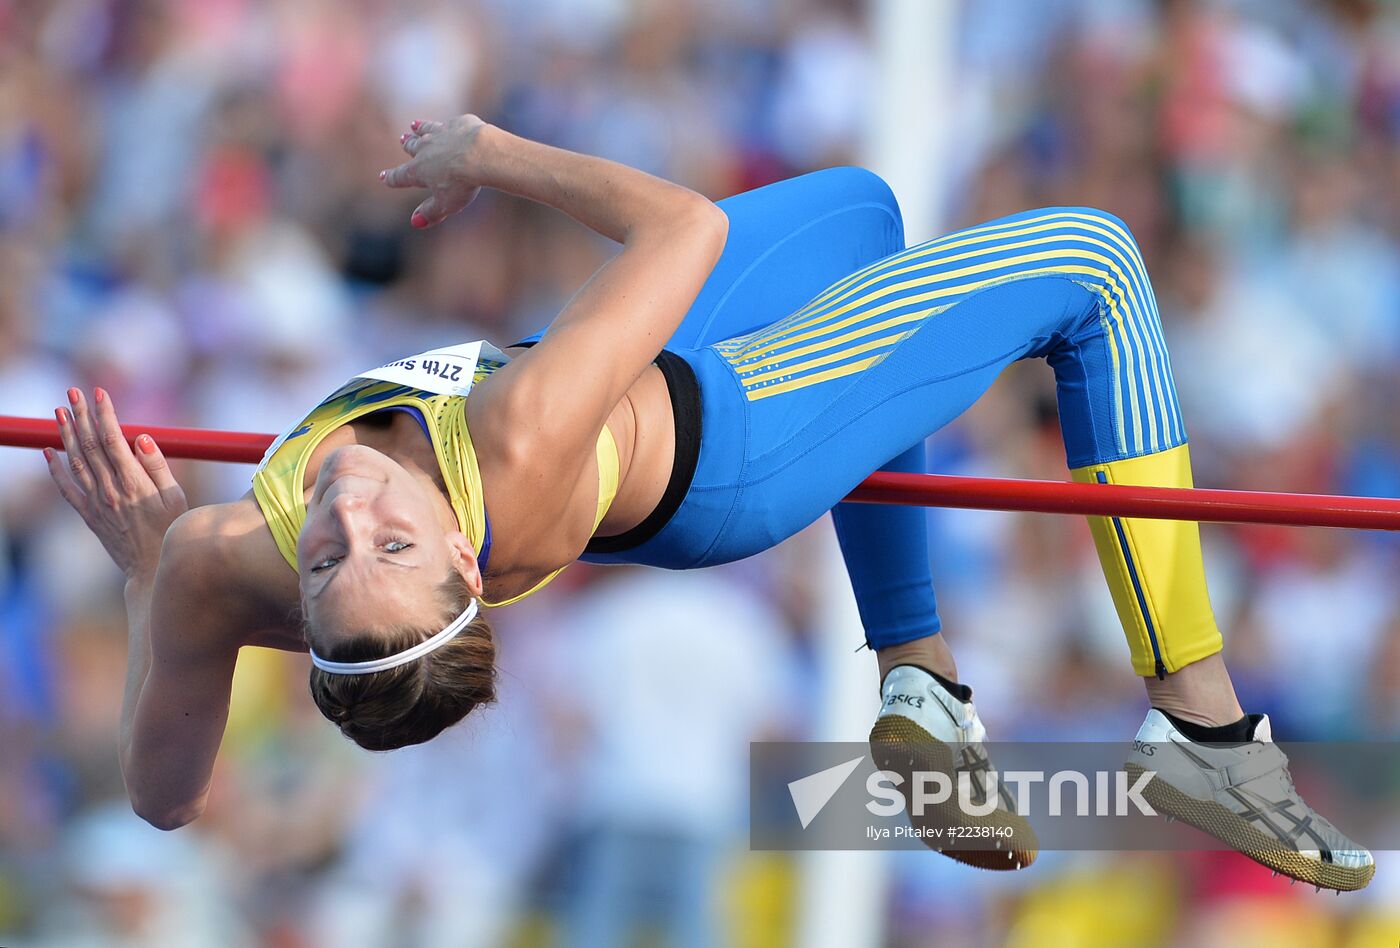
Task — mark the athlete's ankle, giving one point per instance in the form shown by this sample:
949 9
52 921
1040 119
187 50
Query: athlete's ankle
1201 693
1236 732
930 652
1210 716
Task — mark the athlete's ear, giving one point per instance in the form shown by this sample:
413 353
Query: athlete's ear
464 561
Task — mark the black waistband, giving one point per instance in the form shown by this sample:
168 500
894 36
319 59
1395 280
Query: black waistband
685 407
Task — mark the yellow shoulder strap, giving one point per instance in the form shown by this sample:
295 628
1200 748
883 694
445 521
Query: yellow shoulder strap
606 449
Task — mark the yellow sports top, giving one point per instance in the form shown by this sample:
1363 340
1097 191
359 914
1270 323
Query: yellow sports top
279 482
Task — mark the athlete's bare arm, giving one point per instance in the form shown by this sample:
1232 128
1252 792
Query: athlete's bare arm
220 585
539 417
173 715
198 586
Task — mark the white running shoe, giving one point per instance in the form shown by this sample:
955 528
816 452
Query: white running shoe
1243 795
923 727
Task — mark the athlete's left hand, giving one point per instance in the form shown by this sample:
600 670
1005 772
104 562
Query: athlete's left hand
443 162
127 498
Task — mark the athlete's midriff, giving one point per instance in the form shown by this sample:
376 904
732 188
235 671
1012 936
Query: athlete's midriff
531 539
645 432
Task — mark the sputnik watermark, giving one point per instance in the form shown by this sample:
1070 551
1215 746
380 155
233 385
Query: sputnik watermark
1111 794
1059 795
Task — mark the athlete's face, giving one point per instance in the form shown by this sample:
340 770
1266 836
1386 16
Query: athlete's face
376 544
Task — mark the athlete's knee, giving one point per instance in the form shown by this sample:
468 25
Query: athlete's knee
863 186
1111 222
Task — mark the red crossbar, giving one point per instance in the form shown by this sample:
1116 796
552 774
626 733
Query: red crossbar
923 490
199 444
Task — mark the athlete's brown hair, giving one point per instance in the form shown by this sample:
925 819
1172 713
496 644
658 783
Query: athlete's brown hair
415 702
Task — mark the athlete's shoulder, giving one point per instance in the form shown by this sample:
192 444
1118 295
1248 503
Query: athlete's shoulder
201 530
226 550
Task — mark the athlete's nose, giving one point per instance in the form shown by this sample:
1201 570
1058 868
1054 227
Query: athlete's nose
343 508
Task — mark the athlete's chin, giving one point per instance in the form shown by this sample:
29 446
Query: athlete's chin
354 460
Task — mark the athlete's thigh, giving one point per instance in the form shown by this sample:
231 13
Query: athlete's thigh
819 422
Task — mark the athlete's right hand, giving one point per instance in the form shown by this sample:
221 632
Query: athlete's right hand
127 498
443 162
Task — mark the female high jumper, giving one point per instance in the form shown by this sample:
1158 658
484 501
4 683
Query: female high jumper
719 384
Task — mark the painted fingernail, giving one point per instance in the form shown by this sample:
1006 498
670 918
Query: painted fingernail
146 444
98 395
73 396
418 220
59 414
382 175
415 124
403 138
49 455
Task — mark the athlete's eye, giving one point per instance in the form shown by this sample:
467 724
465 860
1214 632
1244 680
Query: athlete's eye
390 546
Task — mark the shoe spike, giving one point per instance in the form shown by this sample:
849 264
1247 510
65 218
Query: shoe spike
1318 888
1273 874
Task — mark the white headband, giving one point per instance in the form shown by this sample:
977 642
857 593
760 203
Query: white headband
401 658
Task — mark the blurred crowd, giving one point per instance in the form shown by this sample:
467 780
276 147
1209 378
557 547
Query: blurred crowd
189 217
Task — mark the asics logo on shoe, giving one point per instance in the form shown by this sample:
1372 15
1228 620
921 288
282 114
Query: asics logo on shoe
913 701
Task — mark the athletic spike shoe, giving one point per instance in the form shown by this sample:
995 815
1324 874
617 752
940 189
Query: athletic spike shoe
923 727
1243 795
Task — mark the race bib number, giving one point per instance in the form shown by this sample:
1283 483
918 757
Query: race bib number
450 370
446 371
